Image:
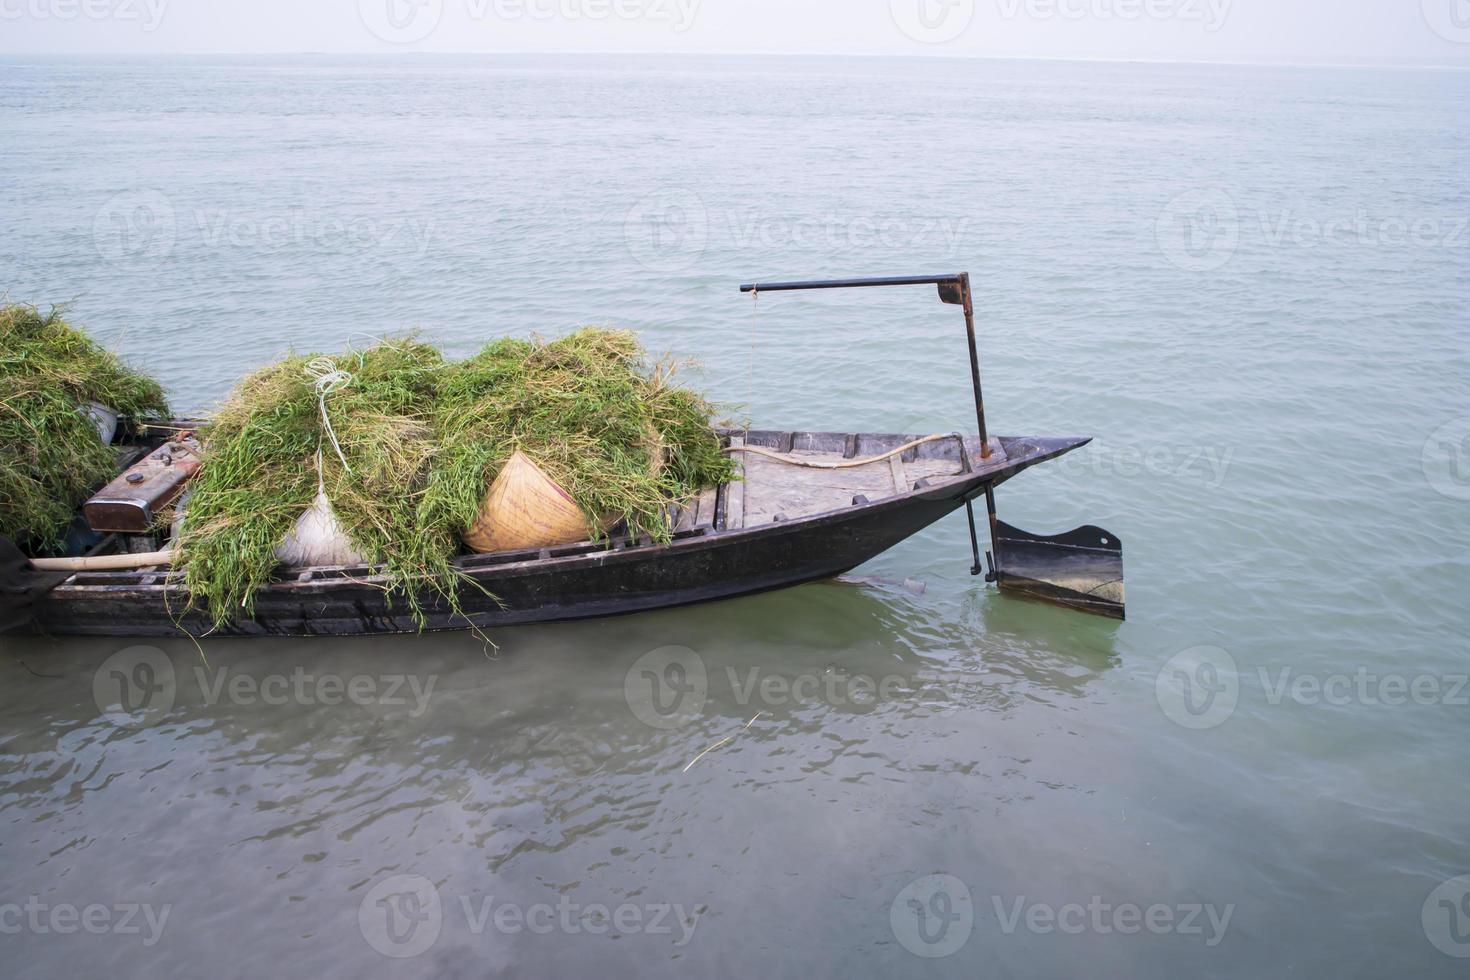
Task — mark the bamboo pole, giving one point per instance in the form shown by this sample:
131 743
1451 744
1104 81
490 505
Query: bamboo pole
100 563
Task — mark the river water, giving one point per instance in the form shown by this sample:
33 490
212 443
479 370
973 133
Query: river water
1249 283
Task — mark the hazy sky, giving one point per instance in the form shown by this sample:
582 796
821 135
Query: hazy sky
1200 30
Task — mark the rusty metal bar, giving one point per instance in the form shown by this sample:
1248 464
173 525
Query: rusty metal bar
778 287
954 288
968 301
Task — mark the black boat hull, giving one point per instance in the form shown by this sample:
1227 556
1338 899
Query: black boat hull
576 582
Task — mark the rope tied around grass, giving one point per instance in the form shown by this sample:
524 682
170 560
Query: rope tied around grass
328 378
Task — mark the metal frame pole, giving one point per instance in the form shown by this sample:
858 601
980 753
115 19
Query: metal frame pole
969 307
953 289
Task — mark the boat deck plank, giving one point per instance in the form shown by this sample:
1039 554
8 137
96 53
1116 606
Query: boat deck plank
735 489
775 488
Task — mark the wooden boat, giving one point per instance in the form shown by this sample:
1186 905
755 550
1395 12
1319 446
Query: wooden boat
809 506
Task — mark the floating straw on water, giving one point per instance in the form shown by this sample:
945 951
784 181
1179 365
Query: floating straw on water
722 741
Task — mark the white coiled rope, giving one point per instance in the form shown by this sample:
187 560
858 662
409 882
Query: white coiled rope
841 464
328 379
317 537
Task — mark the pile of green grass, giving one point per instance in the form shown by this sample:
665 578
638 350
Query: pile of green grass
601 420
267 449
51 456
423 440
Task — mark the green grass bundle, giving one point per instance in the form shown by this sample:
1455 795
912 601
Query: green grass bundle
267 450
612 429
423 440
51 455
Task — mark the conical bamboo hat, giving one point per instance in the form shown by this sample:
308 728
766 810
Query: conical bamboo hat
525 508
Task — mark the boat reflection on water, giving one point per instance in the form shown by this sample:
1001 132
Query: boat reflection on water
573 756
645 688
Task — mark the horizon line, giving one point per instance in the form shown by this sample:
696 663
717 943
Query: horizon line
1404 62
